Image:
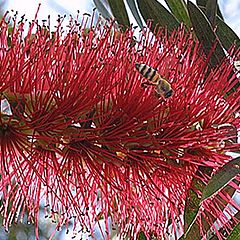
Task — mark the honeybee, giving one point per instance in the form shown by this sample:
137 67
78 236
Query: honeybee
163 87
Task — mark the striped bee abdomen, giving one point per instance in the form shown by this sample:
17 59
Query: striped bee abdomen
148 72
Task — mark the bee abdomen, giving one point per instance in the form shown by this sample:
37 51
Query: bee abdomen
148 72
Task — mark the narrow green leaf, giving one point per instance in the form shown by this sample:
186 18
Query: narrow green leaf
222 178
226 35
235 234
191 209
193 203
133 8
102 9
179 10
153 10
141 236
203 3
205 34
194 233
119 12
211 11
192 230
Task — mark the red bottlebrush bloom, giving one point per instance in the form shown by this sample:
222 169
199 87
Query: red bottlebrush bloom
88 140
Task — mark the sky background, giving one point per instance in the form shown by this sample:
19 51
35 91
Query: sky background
229 8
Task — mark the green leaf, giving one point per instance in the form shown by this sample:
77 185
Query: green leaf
222 178
133 8
179 10
191 229
141 236
211 11
203 3
119 12
102 9
193 203
153 10
226 35
235 234
205 34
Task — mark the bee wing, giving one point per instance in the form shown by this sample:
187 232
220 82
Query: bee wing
163 85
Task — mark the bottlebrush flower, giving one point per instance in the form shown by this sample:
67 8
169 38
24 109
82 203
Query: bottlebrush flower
86 139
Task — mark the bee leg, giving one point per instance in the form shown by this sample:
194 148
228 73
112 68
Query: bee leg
157 94
143 84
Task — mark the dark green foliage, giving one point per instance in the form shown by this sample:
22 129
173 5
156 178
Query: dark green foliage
119 12
179 10
203 3
153 10
211 11
227 36
222 178
205 34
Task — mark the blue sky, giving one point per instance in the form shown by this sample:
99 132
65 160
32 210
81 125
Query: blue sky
231 12
229 8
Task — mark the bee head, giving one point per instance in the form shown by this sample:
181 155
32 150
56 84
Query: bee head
168 94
